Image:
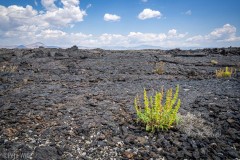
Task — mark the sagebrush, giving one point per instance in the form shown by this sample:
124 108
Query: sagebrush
155 114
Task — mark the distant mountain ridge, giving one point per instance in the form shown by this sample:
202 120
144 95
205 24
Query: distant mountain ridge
29 46
35 45
140 47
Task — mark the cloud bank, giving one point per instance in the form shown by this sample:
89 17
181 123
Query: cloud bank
227 33
23 25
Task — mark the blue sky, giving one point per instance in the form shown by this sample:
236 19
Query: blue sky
116 23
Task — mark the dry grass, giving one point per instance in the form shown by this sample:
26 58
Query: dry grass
195 126
8 68
159 68
214 62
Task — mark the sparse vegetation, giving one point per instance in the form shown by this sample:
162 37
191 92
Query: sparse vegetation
225 72
159 68
195 126
156 115
8 68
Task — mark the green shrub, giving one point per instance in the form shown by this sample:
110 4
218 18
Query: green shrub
227 72
156 115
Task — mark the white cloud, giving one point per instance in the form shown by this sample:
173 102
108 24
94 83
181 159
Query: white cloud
64 16
14 16
61 17
46 34
23 25
148 13
49 4
64 39
227 33
189 12
111 40
35 2
21 32
89 6
138 38
28 34
146 37
173 34
195 38
111 17
70 3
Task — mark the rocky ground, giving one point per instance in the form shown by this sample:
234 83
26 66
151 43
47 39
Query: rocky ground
78 104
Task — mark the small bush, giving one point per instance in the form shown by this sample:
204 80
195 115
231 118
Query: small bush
214 62
8 68
155 114
159 68
227 72
195 126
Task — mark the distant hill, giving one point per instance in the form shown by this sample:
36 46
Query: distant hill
20 46
140 47
131 48
33 45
